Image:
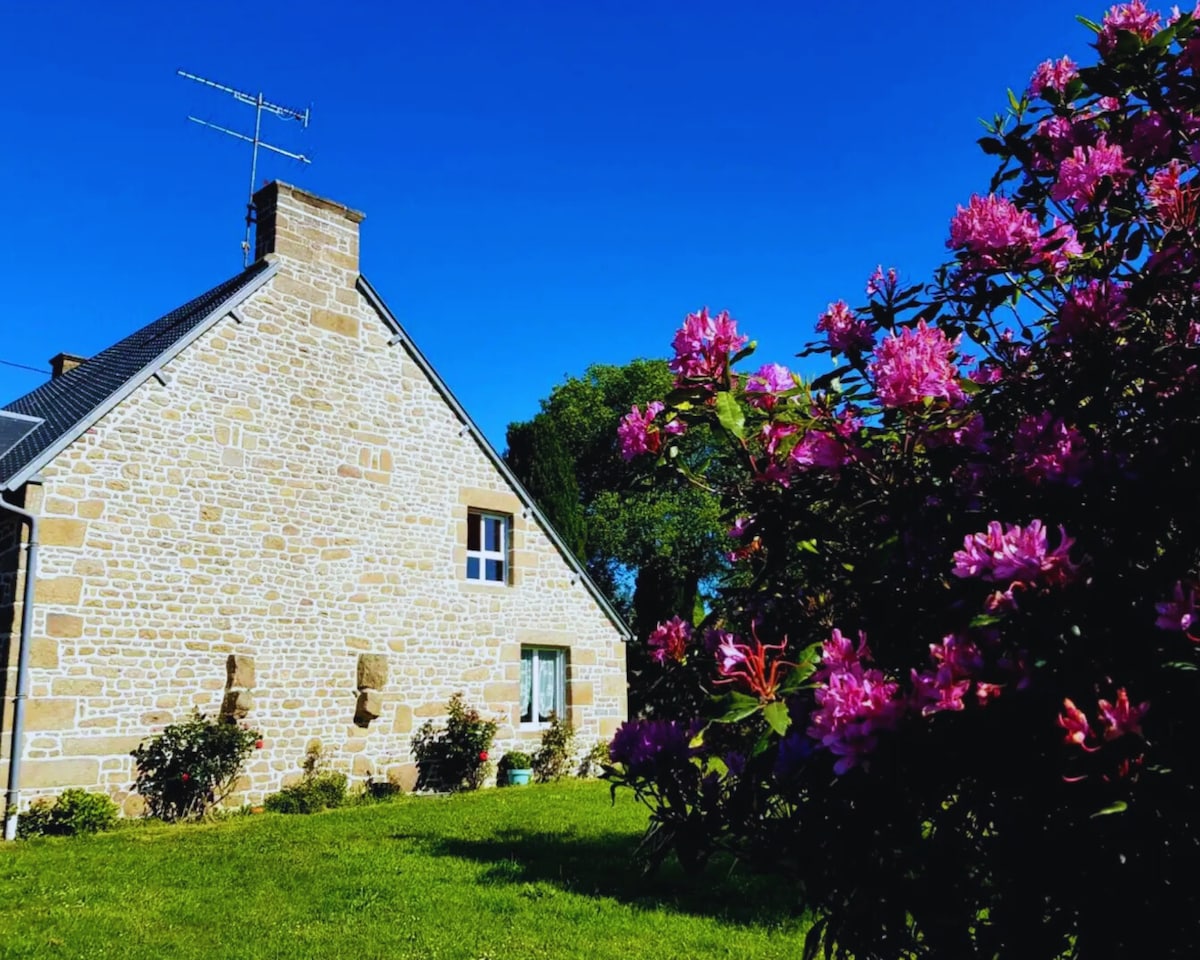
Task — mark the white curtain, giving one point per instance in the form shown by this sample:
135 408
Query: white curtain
548 684
526 686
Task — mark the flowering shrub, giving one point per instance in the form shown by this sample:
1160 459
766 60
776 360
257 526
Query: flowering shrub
952 672
455 758
192 765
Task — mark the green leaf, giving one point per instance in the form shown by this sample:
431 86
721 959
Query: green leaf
776 714
730 415
985 620
990 145
741 706
1119 807
1089 24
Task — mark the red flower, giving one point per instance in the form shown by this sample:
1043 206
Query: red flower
258 744
184 777
483 755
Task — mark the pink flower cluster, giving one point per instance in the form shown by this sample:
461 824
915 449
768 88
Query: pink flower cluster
843 330
1116 720
1081 173
639 434
1015 555
957 662
763 387
1049 450
704 344
1053 75
915 364
1098 305
879 283
1173 202
1179 613
854 703
670 640
993 231
820 450
1132 17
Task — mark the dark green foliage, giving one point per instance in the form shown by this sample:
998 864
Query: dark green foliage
651 547
71 812
592 763
320 791
454 758
553 759
514 760
378 790
538 456
191 765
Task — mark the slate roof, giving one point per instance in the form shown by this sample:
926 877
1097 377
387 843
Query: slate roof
68 404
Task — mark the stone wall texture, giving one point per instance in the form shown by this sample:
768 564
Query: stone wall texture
294 496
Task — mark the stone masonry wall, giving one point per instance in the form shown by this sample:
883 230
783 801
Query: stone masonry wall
295 496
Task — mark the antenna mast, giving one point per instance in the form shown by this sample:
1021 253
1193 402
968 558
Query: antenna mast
260 104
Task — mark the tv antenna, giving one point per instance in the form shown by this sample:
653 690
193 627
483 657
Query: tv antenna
260 103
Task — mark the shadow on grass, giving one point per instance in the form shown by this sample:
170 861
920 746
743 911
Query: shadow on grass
606 866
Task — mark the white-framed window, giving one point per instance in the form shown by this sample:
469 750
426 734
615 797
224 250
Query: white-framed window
487 546
543 685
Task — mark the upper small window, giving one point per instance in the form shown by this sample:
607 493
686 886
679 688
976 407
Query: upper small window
487 546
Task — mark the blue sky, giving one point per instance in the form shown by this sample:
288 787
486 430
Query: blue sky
546 184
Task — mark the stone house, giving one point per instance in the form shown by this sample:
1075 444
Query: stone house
267 503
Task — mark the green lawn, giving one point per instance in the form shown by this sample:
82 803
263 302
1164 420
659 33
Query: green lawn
542 871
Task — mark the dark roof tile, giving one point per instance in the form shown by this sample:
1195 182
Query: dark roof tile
66 402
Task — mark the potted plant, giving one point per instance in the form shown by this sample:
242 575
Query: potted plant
516 768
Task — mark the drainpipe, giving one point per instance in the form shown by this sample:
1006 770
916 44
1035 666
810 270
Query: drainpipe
14 757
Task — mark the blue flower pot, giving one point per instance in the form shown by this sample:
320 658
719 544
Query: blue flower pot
519 778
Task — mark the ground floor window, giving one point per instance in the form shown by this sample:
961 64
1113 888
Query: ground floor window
543 684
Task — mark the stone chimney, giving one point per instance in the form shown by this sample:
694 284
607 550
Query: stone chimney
60 363
307 234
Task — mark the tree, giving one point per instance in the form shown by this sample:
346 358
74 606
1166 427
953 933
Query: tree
954 690
651 546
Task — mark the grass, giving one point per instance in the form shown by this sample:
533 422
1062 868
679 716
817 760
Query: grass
542 871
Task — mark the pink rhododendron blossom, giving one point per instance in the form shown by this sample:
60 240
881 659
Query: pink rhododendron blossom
670 640
1152 137
1057 139
1053 75
1122 718
1097 306
843 330
1012 553
840 653
771 379
637 432
1081 173
1055 250
1133 17
703 345
819 449
1075 722
1049 450
854 703
915 364
1173 202
957 661
993 231
969 432
752 665
773 432
1177 14
1178 613
879 283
